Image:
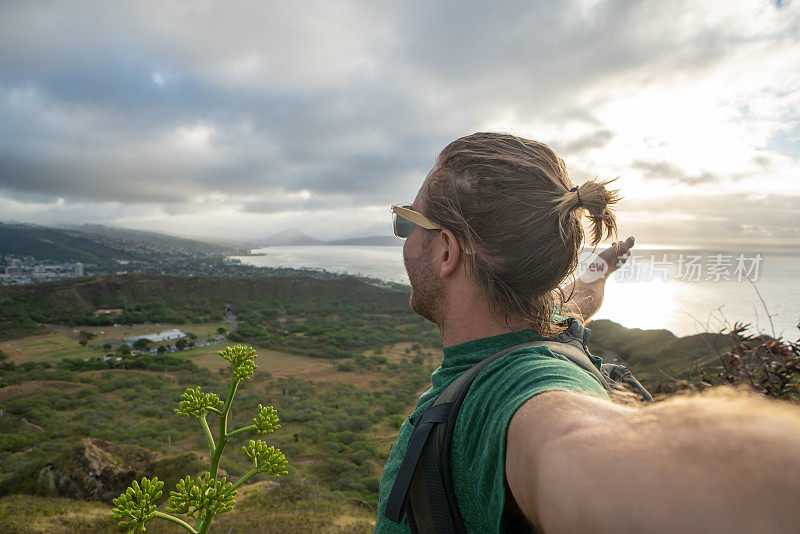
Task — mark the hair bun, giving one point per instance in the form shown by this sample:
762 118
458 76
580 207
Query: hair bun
593 197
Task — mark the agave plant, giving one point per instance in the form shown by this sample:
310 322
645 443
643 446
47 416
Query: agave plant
201 498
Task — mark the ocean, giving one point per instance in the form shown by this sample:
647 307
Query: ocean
686 291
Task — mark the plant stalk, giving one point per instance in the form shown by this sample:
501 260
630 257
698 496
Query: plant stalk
240 431
211 445
253 472
223 429
175 520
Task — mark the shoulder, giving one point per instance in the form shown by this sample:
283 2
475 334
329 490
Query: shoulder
533 370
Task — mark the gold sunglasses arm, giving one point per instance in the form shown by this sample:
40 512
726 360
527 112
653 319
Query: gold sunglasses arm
416 218
422 221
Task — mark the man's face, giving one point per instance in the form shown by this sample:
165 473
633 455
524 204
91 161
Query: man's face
427 294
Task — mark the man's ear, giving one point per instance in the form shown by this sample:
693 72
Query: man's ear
449 255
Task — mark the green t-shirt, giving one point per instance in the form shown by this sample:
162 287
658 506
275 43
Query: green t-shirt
479 437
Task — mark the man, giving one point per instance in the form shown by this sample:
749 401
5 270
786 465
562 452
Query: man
492 236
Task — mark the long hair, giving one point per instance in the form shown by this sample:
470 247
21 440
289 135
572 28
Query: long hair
509 199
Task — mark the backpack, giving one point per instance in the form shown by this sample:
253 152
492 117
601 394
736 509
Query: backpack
423 488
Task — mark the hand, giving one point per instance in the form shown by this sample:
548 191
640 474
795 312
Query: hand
617 254
607 261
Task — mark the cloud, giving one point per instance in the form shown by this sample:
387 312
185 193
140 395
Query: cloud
718 218
274 110
584 143
663 170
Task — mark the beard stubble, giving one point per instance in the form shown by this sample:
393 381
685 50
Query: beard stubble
427 295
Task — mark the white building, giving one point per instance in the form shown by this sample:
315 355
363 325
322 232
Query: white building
166 335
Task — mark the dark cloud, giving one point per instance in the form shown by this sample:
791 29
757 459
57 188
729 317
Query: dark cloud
582 144
663 170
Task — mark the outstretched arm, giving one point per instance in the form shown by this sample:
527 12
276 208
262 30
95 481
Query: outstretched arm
724 463
587 291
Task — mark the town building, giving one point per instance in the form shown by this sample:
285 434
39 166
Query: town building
166 335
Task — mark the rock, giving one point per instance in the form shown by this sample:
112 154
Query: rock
99 470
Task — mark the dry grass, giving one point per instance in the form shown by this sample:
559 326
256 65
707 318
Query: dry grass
284 365
49 347
35 387
62 342
261 507
397 352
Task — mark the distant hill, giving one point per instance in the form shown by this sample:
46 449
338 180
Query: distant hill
655 356
157 241
295 237
59 244
371 241
292 236
99 244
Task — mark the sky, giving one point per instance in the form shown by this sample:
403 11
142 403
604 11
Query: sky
239 119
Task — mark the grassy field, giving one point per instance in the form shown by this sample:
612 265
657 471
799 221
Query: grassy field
51 347
62 342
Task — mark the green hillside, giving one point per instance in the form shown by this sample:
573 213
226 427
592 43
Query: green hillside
155 241
655 356
318 316
59 245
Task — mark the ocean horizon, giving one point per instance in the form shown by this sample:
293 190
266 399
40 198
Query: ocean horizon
684 290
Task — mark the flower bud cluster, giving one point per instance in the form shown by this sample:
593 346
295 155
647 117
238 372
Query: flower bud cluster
198 497
267 420
136 506
241 359
195 403
266 459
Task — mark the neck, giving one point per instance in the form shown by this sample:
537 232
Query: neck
478 323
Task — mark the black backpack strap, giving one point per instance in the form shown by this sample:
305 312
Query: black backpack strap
573 351
619 373
420 491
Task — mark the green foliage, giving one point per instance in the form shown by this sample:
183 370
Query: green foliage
202 498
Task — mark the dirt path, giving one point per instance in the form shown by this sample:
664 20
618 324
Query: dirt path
34 425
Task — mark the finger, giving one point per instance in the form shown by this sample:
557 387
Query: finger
625 246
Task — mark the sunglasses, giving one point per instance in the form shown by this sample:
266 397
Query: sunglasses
404 219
